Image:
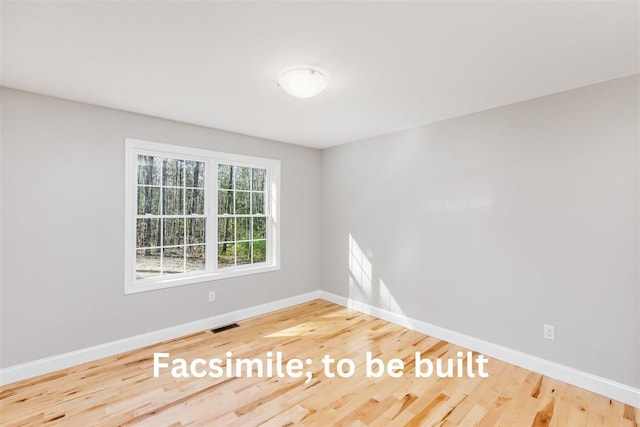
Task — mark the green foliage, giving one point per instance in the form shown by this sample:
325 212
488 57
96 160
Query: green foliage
226 254
243 253
259 251
243 201
259 227
226 229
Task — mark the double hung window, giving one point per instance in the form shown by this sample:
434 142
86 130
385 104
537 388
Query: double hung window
196 215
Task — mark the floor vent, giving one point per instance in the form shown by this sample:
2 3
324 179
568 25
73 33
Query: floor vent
224 328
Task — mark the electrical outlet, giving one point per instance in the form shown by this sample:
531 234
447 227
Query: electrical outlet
550 332
212 296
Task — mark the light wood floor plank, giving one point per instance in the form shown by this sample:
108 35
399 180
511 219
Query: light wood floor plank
121 390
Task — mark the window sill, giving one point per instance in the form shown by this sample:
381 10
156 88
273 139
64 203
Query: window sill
146 285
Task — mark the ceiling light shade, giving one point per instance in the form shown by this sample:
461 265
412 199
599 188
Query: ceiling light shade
303 82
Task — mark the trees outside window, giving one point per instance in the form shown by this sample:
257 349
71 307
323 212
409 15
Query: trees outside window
196 215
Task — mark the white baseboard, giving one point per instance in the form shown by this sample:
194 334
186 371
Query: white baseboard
594 383
73 358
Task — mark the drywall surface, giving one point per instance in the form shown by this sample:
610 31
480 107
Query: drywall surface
63 228
496 223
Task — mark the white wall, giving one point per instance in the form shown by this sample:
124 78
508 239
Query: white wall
62 166
496 223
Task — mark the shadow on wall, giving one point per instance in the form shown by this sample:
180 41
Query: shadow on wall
362 287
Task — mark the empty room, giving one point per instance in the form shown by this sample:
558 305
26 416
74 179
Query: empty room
350 213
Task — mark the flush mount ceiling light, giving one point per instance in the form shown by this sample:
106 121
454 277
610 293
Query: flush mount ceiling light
303 81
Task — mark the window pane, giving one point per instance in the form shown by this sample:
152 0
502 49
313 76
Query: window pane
147 232
173 231
259 250
226 229
194 172
242 202
258 179
172 171
147 263
226 256
149 168
195 230
225 202
195 202
172 201
225 176
243 178
258 203
243 228
259 227
149 200
173 260
243 253
195 258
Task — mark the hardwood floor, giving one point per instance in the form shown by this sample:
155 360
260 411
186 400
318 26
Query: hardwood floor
122 391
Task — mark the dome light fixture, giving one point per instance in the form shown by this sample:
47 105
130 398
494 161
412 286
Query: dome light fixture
303 81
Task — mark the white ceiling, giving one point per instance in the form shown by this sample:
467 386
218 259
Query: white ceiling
393 65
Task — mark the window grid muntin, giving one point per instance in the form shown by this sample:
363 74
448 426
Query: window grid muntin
163 157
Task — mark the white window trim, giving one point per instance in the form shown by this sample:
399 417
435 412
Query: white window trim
133 147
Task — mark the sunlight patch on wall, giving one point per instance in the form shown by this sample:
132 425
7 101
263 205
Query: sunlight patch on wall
387 301
361 269
365 293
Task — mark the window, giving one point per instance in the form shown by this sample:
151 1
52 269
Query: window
242 218
196 215
170 220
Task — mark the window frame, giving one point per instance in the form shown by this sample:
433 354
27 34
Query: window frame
135 147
